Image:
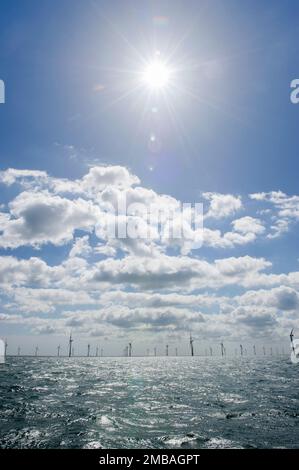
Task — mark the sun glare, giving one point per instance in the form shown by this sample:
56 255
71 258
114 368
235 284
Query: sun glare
156 75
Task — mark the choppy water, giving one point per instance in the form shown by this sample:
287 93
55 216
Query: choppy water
149 403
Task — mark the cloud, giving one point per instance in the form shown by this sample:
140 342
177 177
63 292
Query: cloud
173 272
255 319
113 286
13 175
286 210
98 178
38 218
281 298
245 230
247 225
222 205
81 247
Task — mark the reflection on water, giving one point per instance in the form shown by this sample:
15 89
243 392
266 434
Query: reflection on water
148 403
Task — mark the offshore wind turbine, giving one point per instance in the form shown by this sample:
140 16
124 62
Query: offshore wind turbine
254 350
292 342
166 350
191 345
58 350
222 349
88 350
70 345
130 349
241 349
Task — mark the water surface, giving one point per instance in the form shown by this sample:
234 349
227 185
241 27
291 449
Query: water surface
149 403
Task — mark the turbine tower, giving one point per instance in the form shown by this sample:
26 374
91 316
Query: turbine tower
166 349
241 350
70 345
36 351
292 338
191 345
222 349
88 350
130 349
254 350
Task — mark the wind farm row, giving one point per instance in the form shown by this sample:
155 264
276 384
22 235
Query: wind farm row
165 350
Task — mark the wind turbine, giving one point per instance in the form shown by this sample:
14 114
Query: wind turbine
70 345
291 338
191 345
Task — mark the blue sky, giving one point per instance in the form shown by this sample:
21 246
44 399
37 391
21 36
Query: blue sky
228 128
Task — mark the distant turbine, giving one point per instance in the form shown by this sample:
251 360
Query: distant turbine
70 345
191 345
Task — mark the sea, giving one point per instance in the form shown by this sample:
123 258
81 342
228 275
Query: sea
149 403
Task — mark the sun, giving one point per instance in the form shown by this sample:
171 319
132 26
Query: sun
156 75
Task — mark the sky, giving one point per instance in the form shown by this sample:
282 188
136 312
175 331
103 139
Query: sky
81 129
